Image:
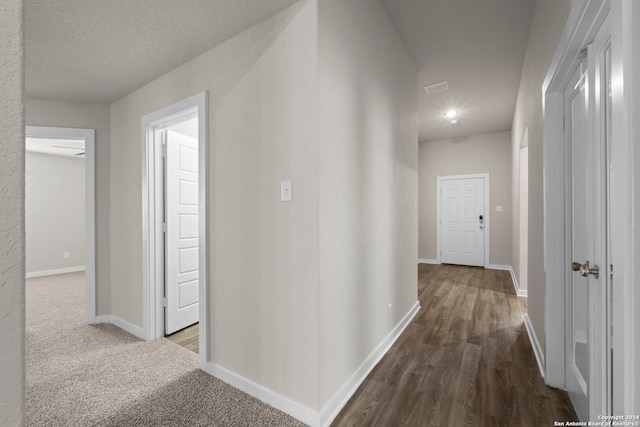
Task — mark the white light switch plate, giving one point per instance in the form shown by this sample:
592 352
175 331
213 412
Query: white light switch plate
286 191
498 208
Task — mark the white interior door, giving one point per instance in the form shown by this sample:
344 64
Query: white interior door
581 251
463 221
586 296
181 240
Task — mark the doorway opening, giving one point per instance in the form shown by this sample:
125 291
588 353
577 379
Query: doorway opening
463 220
76 147
175 222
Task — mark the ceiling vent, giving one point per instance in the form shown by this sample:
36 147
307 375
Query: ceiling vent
436 87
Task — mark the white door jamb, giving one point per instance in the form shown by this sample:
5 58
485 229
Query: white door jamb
625 241
152 243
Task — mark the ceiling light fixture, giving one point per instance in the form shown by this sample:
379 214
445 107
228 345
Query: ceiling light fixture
454 121
451 113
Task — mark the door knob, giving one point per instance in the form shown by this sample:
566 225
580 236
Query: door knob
585 270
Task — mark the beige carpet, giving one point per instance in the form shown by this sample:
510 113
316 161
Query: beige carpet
86 375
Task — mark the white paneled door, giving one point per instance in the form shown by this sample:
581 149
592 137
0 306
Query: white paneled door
463 221
587 124
181 239
578 292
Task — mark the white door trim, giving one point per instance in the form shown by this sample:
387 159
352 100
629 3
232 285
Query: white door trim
152 244
487 218
581 28
625 239
584 22
88 135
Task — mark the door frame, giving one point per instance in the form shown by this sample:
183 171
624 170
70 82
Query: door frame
152 199
583 23
89 137
487 210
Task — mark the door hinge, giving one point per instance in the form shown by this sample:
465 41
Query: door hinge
164 301
164 149
164 227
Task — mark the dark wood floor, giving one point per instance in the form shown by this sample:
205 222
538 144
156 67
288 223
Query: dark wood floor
187 338
465 360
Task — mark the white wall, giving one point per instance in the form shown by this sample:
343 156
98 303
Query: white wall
54 212
288 309
12 367
487 153
548 24
263 252
367 161
44 112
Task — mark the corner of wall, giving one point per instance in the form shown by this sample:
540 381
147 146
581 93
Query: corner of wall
368 171
12 237
548 24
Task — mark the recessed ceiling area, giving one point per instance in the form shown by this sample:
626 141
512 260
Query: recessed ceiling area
98 51
478 48
57 147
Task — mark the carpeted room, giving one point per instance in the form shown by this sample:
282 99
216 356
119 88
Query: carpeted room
100 375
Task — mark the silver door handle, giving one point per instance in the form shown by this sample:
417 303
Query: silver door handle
585 270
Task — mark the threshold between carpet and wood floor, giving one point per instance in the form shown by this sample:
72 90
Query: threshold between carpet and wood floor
188 338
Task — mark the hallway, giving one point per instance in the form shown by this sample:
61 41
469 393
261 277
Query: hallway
465 360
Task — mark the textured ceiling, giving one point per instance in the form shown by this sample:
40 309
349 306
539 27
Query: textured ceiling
478 47
100 50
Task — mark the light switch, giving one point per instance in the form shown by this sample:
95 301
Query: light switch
286 191
498 208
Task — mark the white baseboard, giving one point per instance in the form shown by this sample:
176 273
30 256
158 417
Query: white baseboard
270 397
335 405
53 272
122 324
340 399
537 350
427 261
519 292
514 279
